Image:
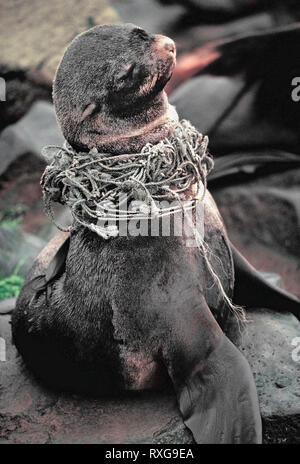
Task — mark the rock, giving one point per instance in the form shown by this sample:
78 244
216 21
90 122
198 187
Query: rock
149 15
267 343
188 33
215 9
220 11
262 220
282 431
194 42
7 306
42 31
268 214
21 202
30 134
203 99
174 432
283 382
31 414
17 250
20 93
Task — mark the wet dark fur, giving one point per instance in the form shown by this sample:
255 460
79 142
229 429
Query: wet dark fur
89 74
110 295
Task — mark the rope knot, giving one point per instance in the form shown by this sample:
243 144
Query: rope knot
128 185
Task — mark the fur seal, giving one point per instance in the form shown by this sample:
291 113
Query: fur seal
134 312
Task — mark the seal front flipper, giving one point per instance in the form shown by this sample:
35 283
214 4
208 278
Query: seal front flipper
252 290
53 270
48 266
213 383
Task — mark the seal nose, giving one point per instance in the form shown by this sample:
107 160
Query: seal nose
165 43
169 45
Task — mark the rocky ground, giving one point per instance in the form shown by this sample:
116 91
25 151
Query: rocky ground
262 216
36 33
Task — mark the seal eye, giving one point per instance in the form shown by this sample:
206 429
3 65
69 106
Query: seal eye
125 73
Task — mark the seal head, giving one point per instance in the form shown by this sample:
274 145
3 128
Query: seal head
108 91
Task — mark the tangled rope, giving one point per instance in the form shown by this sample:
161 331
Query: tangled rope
91 183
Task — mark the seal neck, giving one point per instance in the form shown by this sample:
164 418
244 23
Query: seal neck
166 122
117 135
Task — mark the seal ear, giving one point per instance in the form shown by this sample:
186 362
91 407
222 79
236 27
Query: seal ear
89 109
